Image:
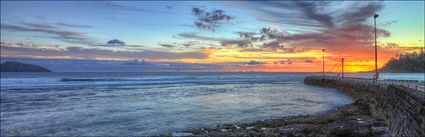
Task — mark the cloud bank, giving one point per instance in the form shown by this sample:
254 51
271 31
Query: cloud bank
210 20
9 49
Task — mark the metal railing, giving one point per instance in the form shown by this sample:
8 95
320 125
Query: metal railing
412 84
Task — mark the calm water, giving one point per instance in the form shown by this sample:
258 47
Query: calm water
152 103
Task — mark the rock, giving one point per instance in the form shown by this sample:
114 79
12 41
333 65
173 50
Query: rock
181 134
349 120
288 131
378 130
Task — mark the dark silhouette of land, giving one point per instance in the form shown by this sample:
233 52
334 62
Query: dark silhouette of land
409 62
10 66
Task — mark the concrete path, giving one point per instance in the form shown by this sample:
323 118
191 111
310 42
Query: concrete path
404 83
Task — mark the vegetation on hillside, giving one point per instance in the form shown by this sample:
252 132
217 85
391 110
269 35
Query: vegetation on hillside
408 62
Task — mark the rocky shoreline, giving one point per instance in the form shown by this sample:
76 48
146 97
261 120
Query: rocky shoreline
352 120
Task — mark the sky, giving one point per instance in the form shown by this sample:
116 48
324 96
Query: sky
272 36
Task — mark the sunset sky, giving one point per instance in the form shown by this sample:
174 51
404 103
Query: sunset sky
277 36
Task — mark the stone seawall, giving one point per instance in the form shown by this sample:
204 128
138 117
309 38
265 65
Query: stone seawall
403 108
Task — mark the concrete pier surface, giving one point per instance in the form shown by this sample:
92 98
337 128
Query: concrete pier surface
412 84
401 103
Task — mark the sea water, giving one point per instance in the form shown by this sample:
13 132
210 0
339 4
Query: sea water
131 104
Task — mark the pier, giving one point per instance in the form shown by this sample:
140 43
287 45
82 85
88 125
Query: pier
401 103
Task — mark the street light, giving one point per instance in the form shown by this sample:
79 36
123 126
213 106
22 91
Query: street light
342 67
323 61
376 76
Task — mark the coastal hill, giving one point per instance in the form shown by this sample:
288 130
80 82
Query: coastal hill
406 63
21 67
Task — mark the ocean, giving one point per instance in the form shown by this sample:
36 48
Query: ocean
132 104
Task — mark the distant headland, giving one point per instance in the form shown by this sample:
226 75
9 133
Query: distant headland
10 66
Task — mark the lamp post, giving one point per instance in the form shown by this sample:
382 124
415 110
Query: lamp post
323 62
342 67
376 76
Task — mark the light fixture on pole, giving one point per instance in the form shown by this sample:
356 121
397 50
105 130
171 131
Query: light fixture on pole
376 75
342 67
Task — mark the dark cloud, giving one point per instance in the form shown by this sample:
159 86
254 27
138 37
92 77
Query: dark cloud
313 15
253 62
63 35
279 62
119 7
92 53
210 48
324 28
167 45
308 61
197 11
268 33
248 35
311 11
294 49
361 13
386 23
251 50
287 61
273 46
115 42
195 36
261 35
72 25
38 25
350 35
239 43
186 44
286 13
245 40
210 20
393 45
28 45
248 39
190 43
